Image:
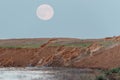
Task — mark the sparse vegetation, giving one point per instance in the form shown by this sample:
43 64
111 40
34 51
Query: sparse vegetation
112 74
101 77
107 43
10 47
22 46
79 44
31 46
114 70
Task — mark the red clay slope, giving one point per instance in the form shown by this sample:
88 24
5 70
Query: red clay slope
108 58
36 57
94 56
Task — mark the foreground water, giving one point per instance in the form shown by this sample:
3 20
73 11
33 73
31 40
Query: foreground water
46 73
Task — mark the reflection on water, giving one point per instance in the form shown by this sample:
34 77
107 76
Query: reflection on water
46 74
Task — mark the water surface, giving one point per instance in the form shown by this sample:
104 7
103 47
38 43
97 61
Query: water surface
46 73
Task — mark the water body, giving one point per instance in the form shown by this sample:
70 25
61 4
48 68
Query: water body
46 73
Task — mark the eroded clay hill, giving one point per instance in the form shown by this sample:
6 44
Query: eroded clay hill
57 52
108 58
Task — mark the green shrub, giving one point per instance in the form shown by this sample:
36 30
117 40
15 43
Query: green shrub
101 77
114 70
108 73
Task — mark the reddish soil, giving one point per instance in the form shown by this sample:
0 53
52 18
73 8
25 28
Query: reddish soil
94 56
22 57
36 57
109 58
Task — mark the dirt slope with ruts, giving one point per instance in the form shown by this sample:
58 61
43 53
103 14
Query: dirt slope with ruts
108 58
62 52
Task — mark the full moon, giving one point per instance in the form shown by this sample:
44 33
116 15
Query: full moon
45 12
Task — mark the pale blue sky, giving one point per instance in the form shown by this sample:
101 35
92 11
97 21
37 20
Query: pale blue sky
73 18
